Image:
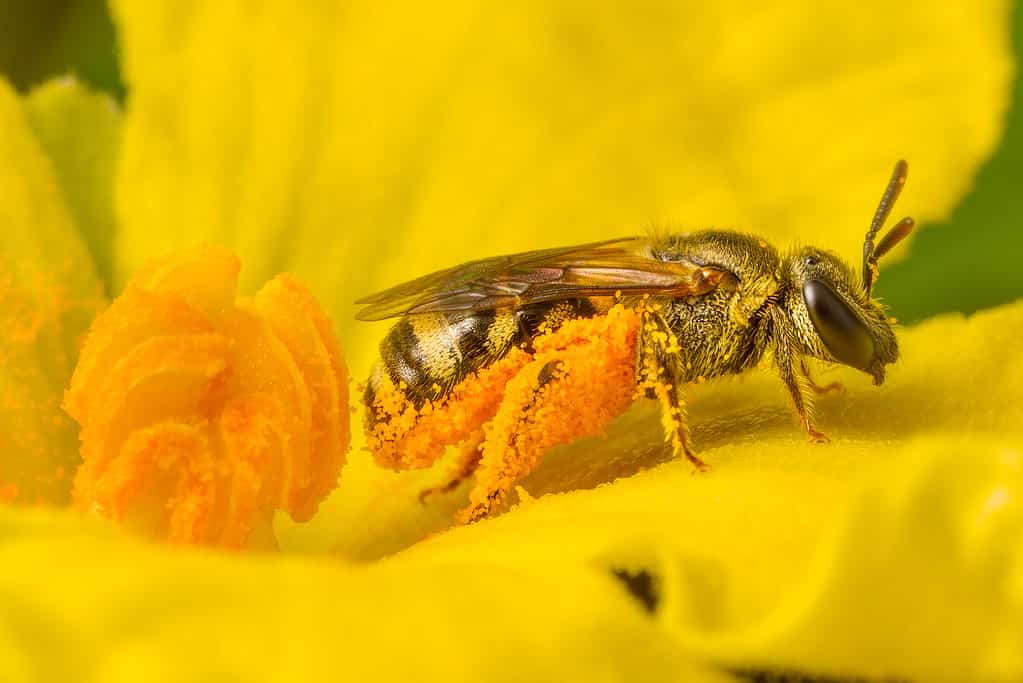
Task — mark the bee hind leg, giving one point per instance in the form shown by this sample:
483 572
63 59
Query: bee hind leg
404 436
468 460
560 397
508 452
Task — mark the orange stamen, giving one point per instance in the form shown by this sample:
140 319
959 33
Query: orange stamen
201 413
8 492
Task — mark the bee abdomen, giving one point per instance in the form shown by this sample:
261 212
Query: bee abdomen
542 318
429 354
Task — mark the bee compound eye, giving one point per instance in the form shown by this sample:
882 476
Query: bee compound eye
843 333
810 261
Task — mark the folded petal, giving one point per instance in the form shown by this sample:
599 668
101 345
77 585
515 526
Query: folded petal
918 582
132 610
80 131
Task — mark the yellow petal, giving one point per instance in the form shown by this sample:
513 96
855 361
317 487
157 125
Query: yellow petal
918 583
131 611
80 131
852 558
48 294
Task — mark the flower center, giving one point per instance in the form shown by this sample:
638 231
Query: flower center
203 413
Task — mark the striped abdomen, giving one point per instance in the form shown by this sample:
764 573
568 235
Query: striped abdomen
429 354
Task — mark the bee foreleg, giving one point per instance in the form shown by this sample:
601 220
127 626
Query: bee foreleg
659 375
792 370
832 387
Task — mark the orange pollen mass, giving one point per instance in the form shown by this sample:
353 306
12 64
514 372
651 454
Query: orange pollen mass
8 492
405 437
202 413
575 380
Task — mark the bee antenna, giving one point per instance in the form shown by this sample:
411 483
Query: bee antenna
872 253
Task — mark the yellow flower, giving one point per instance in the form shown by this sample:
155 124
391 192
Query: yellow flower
359 146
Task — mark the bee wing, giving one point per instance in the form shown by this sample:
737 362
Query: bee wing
513 281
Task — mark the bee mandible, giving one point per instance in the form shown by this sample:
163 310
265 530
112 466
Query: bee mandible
508 356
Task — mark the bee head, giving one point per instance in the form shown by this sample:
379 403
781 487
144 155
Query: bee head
835 318
833 310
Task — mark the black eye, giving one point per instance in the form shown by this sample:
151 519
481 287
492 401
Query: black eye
810 260
846 338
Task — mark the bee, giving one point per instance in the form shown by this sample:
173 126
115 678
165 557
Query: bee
511 355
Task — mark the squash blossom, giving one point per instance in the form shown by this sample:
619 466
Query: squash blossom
274 161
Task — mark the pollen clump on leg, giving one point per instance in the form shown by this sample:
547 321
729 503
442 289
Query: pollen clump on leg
402 436
202 413
580 378
568 382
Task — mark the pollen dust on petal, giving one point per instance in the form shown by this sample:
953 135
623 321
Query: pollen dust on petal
203 413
